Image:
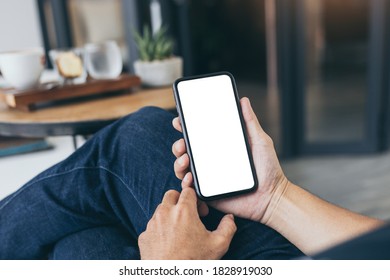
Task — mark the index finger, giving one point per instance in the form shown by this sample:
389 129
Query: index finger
171 197
176 124
188 197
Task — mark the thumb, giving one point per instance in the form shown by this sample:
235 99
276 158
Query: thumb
254 129
226 229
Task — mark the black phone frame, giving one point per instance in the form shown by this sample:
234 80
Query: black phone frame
188 145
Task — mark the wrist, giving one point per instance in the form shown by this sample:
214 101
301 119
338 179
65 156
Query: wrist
277 195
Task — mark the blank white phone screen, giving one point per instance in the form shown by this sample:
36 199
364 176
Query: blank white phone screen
215 135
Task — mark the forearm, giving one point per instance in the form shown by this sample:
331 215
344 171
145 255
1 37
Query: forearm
311 223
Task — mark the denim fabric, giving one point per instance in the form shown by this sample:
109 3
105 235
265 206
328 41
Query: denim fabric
94 204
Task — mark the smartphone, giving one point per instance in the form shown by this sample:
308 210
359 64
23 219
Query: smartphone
215 136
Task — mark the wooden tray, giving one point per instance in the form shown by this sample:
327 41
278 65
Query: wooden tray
28 100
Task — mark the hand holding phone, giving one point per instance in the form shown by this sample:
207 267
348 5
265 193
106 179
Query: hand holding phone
271 178
210 114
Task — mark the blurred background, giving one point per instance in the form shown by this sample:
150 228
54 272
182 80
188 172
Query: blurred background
317 73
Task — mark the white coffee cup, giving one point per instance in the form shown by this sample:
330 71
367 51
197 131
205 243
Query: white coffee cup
22 69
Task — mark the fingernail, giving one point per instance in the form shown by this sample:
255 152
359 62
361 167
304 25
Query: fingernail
181 160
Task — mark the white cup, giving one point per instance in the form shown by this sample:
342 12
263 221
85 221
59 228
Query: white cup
22 69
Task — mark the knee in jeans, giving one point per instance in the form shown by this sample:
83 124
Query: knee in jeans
150 110
151 119
149 116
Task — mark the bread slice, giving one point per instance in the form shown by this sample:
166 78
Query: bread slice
69 65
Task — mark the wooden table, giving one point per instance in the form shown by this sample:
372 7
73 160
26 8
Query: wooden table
83 117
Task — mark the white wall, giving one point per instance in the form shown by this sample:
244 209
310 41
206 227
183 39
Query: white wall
19 25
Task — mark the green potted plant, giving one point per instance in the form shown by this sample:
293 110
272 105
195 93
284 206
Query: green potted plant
157 66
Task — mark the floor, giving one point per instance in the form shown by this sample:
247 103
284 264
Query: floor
359 183
17 170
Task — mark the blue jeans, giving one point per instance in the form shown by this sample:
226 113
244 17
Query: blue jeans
95 203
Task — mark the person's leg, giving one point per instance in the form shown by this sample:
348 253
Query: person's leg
115 180
106 242
252 240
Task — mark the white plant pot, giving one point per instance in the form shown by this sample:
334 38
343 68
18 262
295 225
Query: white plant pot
159 72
